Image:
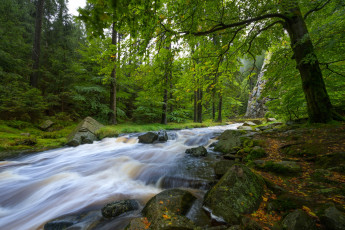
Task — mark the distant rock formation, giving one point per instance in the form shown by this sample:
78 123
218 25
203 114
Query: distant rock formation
256 105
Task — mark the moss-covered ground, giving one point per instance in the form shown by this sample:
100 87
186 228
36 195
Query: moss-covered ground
320 151
18 137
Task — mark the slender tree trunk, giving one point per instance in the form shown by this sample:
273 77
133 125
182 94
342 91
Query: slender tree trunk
220 107
36 50
318 102
213 104
167 74
195 106
200 105
165 108
113 117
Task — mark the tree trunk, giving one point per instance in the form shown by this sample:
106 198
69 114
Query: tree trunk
318 102
36 50
113 117
165 108
195 106
220 106
213 105
199 105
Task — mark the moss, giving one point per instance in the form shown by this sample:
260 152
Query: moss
278 168
15 142
256 153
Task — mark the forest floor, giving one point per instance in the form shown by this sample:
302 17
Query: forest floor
319 150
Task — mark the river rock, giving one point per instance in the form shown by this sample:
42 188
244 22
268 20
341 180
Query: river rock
257 122
45 125
169 206
221 167
148 138
298 220
271 119
117 208
228 140
238 192
333 219
82 221
84 133
162 136
248 123
263 128
197 152
246 128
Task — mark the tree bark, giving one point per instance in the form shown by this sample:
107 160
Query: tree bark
112 116
318 103
199 105
220 107
36 50
195 106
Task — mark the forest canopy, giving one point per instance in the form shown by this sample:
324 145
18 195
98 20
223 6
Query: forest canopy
171 61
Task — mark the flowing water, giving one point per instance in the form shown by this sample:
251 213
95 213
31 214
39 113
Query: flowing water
40 187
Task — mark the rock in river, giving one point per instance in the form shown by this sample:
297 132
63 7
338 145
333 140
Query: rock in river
166 210
197 152
238 192
228 140
117 208
148 138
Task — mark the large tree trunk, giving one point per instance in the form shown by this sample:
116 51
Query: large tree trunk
36 51
318 102
220 107
195 106
112 116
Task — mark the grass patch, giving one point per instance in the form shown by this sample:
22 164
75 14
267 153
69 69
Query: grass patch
17 137
115 130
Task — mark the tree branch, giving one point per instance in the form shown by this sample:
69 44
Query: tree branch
241 23
316 9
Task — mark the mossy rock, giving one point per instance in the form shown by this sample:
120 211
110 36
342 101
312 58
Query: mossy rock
256 153
331 160
167 209
333 219
221 167
298 220
238 192
228 140
117 208
282 167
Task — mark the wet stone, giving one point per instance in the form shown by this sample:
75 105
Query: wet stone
197 152
117 208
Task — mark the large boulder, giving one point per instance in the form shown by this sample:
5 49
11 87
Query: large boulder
248 123
221 167
228 140
333 219
45 125
197 152
238 192
85 220
148 138
84 133
298 220
117 208
246 128
167 210
162 136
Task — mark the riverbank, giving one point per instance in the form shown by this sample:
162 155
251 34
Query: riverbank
18 138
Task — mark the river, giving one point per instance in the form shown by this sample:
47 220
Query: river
39 187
